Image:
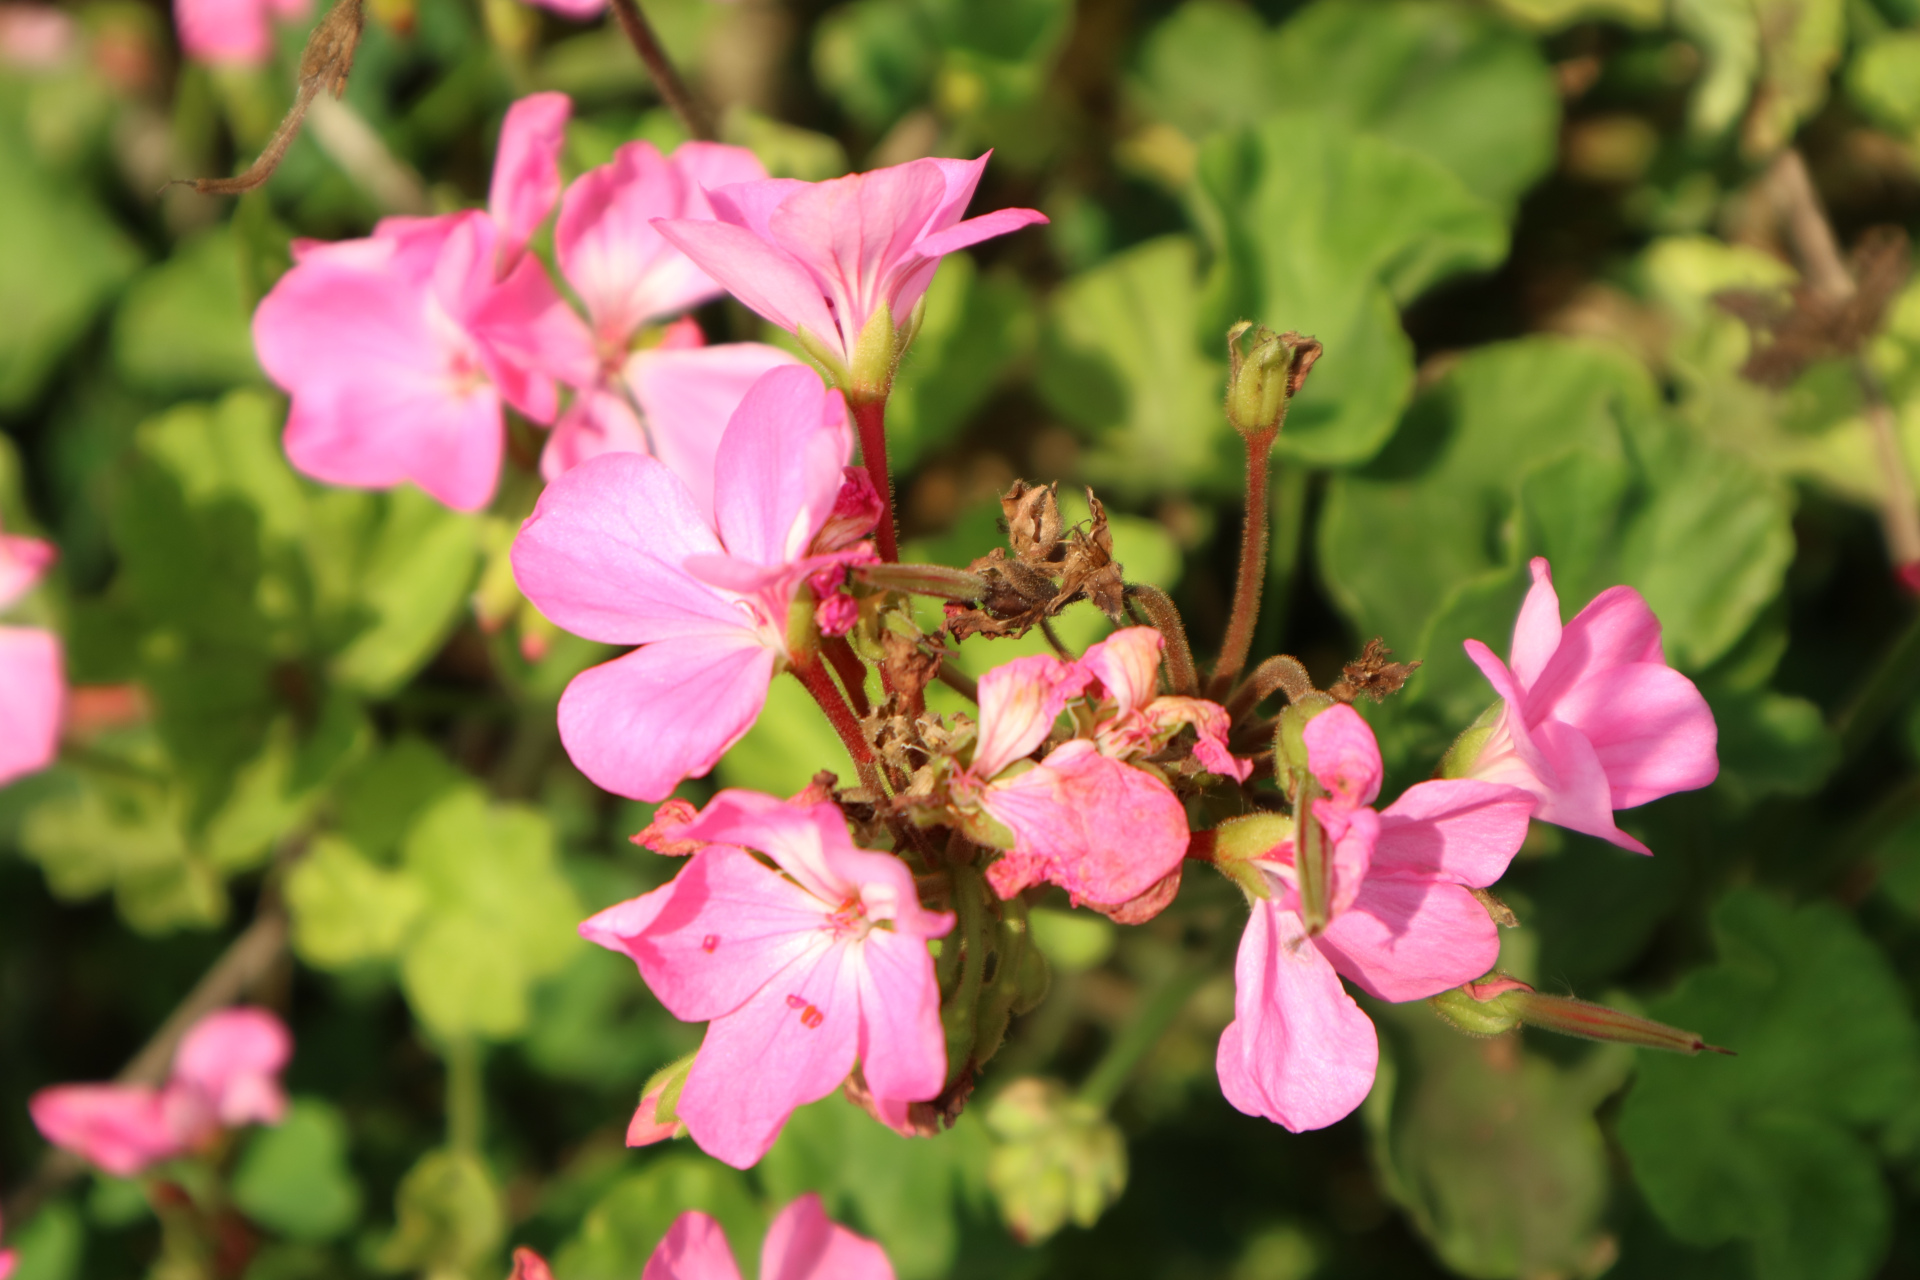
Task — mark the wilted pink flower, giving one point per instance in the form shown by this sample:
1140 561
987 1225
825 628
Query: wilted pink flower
1404 926
1127 666
619 551
1101 829
802 1244
799 972
225 1074
399 350
32 669
820 259
232 31
1595 720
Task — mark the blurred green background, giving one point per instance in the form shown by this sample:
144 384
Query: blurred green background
1506 221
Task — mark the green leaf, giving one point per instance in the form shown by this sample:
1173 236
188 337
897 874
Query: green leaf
1764 1147
64 260
449 1216
875 57
51 1244
622 1230
1884 78
347 910
1119 363
1323 230
974 327
1767 61
500 915
379 800
1493 1152
294 1178
184 324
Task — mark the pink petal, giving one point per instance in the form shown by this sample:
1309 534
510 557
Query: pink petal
600 420
855 233
1407 939
23 562
793 1043
911 281
601 555
639 725
9 1260
1343 755
1299 1051
1019 701
1649 726
1353 833
1537 632
802 1244
1573 790
777 472
120 1128
695 1248
1210 725
619 927
766 280
234 1058
1617 628
224 32
526 168
1463 830
643 1130
688 396
962 178
730 926
527 337
708 166
1127 665
1102 830
33 693
528 1265
903 1050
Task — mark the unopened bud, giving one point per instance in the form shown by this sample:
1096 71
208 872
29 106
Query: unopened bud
1498 1003
936 580
1056 1159
1268 370
1237 843
1465 751
856 510
528 1265
655 1120
1290 763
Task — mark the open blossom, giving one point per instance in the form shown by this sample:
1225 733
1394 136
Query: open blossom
225 1074
1404 925
232 31
619 551
399 350
629 277
1127 666
799 972
821 259
32 668
1594 719
801 1244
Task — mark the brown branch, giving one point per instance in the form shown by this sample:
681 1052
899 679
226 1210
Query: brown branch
673 90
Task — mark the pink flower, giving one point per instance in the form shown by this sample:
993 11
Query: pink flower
822 259
802 1244
1404 926
399 350
232 31
619 551
1099 828
1127 666
225 1074
8 1261
33 685
799 972
578 10
1594 718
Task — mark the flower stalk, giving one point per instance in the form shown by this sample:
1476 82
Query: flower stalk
688 109
870 417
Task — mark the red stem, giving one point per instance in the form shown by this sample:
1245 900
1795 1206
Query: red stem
819 683
1253 566
853 672
870 416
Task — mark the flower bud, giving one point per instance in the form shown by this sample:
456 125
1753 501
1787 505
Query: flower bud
856 510
528 1265
1290 765
935 580
1465 751
1268 370
655 1120
1235 844
1056 1159
1498 1003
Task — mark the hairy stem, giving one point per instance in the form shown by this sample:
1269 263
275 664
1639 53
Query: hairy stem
958 681
466 1096
666 78
870 416
1183 678
1283 672
1253 566
1287 510
852 672
813 674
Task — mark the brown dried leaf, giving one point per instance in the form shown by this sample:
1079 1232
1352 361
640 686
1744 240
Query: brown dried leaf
1370 675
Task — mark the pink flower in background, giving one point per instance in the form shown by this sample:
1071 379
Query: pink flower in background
33 685
232 31
8 1260
1127 666
619 551
225 1074
400 350
823 257
1595 720
1404 926
799 972
578 10
1101 829
802 1244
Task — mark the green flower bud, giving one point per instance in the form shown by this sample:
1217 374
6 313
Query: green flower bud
1268 370
1056 1159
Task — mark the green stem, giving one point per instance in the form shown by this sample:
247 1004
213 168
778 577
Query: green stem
1157 1013
1886 688
466 1096
870 416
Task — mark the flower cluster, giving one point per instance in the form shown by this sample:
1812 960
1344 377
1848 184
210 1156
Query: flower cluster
225 1075
802 1244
